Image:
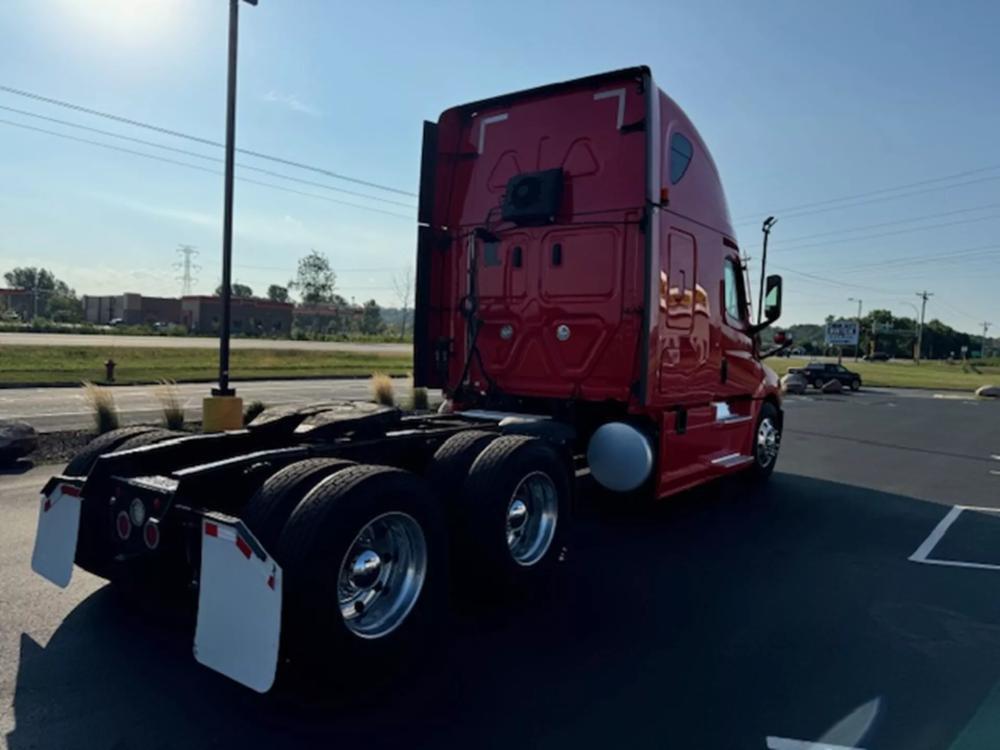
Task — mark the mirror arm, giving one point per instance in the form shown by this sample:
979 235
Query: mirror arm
776 350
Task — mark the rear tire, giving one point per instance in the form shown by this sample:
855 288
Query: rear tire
92 540
451 463
81 464
513 517
269 509
154 436
371 535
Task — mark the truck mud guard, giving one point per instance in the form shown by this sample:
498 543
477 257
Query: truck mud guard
239 604
58 528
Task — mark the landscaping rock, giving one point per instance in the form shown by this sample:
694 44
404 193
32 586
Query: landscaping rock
833 386
794 383
17 439
988 391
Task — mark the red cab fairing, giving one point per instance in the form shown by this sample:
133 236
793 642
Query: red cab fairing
560 304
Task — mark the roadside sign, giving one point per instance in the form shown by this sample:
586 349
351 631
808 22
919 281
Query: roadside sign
842 333
883 327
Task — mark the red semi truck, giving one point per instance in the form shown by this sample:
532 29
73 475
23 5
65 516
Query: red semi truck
580 300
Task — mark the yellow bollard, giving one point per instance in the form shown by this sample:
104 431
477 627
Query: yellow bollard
220 413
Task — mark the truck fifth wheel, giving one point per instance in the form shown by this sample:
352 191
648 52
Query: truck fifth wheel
580 299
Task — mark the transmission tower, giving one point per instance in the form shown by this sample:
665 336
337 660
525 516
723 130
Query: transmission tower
187 268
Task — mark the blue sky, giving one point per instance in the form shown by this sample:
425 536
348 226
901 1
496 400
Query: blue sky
800 102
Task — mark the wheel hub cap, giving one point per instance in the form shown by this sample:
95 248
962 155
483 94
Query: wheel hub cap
768 442
366 568
531 518
517 515
382 574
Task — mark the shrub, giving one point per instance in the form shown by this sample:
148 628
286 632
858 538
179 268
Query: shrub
169 397
252 411
382 389
418 399
102 402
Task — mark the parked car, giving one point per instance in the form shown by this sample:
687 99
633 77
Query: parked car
818 373
877 357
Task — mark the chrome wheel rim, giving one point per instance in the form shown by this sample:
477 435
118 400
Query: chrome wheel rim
381 575
532 514
768 442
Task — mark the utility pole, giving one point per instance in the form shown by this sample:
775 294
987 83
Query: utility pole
186 267
924 295
857 345
982 348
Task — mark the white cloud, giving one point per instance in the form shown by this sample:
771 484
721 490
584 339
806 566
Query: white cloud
291 101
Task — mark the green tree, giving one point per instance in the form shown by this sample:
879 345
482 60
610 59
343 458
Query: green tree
238 290
53 297
371 318
315 281
277 293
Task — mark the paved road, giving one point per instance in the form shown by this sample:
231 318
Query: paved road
192 342
52 409
719 619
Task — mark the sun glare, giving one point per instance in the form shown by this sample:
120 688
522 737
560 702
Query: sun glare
126 22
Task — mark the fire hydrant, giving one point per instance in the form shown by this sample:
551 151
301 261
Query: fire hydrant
109 370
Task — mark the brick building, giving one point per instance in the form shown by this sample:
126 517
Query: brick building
249 316
131 309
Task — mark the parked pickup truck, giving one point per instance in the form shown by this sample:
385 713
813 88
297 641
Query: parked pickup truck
818 373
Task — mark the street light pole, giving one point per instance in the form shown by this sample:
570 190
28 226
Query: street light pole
223 410
857 346
227 206
924 295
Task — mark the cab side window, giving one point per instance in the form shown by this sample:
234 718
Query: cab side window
681 152
734 296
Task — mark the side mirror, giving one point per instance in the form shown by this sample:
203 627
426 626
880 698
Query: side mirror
772 299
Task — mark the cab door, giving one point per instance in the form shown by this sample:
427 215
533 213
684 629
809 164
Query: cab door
740 373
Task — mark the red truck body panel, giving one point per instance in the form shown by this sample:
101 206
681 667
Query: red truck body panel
619 297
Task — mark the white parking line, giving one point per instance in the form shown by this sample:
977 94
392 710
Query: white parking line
921 555
783 743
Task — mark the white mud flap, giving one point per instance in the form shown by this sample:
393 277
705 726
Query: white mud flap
55 540
239 606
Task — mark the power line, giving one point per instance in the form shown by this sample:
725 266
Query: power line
922 217
877 200
985 250
911 230
880 191
199 139
199 168
195 154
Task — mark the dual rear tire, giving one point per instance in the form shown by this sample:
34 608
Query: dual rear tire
366 550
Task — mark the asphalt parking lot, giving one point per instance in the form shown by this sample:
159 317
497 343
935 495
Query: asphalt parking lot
727 617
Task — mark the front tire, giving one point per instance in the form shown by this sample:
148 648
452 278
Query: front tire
855 384
767 442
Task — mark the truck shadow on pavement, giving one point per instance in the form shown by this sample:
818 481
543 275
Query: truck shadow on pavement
709 621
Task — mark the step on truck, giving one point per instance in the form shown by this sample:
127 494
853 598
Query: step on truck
581 303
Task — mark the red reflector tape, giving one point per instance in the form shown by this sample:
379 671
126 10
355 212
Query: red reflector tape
244 547
69 489
270 581
48 504
211 529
